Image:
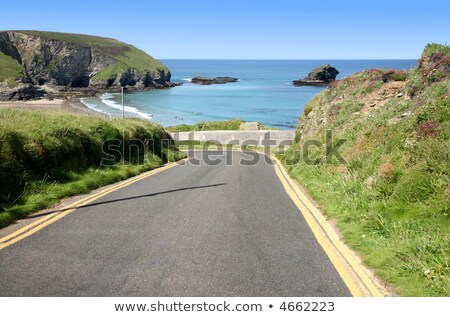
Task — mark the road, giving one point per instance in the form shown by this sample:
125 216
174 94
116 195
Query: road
192 230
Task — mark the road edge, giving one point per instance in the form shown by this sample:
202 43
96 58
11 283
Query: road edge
37 225
359 280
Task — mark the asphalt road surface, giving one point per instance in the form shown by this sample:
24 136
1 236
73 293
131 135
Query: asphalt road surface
193 230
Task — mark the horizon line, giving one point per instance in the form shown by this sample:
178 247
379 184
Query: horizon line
288 59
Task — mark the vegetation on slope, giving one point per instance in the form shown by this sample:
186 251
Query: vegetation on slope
47 156
11 70
127 56
391 198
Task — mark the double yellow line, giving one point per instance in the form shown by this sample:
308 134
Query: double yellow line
357 279
355 276
54 216
347 264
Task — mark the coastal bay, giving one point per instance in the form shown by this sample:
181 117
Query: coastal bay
264 92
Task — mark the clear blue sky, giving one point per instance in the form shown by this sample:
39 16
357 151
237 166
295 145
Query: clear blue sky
259 29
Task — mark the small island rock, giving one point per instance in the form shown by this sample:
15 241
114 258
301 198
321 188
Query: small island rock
319 76
211 81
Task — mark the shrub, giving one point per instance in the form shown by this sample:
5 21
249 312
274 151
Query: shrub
395 75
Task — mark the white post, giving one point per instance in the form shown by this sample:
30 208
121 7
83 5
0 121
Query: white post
123 107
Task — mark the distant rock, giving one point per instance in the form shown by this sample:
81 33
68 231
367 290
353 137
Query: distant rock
319 76
22 91
212 81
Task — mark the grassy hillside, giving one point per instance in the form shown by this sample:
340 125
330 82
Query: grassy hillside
391 198
127 56
47 156
10 69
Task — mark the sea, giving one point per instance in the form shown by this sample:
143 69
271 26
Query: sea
264 92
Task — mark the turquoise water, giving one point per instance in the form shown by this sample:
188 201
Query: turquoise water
263 93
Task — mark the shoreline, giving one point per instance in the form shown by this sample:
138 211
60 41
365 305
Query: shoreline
73 105
76 106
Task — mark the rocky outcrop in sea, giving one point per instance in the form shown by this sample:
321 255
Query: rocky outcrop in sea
212 81
319 76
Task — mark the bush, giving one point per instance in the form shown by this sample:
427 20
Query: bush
395 75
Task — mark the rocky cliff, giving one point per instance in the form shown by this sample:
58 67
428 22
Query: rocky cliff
33 64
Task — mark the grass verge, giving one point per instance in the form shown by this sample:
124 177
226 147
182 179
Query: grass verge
48 156
232 124
391 198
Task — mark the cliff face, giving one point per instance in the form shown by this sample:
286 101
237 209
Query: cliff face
83 64
396 94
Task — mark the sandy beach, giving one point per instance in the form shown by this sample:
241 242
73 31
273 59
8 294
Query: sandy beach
64 105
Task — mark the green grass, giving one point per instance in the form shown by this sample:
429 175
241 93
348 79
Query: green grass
42 194
232 124
127 56
47 156
433 48
11 70
392 198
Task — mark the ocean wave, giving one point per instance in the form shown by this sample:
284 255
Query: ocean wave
93 107
187 79
106 98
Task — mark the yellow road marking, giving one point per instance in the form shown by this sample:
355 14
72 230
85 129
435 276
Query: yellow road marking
49 219
355 291
326 236
321 230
